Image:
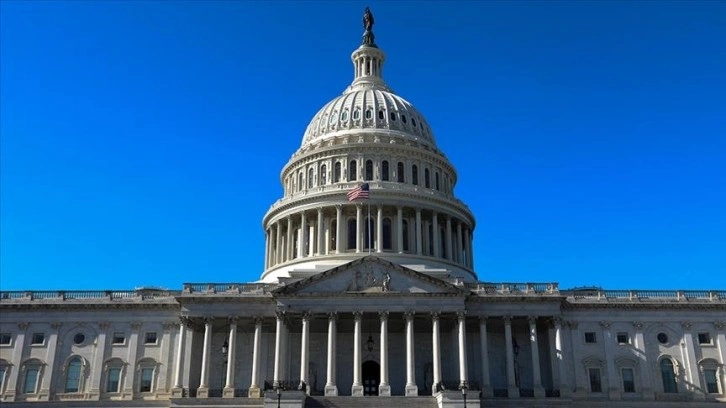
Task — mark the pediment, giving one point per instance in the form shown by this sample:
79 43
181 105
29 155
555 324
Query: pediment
369 275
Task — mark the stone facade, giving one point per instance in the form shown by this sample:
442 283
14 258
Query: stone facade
363 300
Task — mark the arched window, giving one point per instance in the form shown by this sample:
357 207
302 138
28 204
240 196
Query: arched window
311 175
414 175
427 178
4 371
146 371
369 170
381 115
352 171
400 173
300 184
437 181
710 369
387 235
323 175
668 374
352 232
336 172
404 226
384 170
369 114
73 375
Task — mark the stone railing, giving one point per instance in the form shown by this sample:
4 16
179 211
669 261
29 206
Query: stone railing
600 295
492 289
229 288
88 295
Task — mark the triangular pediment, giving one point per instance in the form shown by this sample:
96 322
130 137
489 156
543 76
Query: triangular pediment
369 275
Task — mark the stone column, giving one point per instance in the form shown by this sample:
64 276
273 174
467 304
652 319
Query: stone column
357 388
539 391
203 390
613 383
178 391
230 384
338 228
436 352
411 388
449 243
98 361
459 243
278 242
321 247
560 359
486 387
304 352
399 229
289 244
467 244
43 387
331 390
512 388
303 241
419 242
384 388
463 370
379 229
359 227
255 391
267 248
691 364
278 346
133 349
436 235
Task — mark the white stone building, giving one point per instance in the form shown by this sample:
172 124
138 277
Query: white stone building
364 302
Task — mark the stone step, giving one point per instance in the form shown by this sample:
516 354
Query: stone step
366 402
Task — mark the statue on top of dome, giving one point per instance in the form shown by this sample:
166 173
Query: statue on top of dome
368 37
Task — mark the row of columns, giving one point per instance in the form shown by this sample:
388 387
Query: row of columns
312 240
411 388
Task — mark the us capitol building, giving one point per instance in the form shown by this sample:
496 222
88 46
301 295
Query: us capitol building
369 297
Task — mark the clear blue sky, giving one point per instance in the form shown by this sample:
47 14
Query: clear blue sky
142 142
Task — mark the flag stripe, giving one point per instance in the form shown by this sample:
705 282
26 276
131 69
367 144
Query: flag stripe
362 192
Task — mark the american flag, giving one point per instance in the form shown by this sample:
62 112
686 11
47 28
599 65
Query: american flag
362 192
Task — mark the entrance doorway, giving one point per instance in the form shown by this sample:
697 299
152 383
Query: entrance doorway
371 377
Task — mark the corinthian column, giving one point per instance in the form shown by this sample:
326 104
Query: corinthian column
437 352
357 388
461 327
384 388
203 390
536 372
331 390
255 391
304 350
229 387
411 388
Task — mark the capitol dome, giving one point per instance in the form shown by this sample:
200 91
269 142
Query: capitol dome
372 139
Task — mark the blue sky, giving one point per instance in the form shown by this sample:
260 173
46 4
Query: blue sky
141 142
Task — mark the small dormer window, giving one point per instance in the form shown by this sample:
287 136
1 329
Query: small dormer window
369 114
380 115
403 118
344 116
356 114
393 116
333 117
413 122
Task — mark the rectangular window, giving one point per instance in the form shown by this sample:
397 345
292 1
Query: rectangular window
704 338
38 338
711 380
595 384
623 338
31 380
150 338
113 380
147 374
5 339
590 337
119 338
628 380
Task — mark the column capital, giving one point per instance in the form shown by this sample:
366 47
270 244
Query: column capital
638 325
532 320
57 325
207 320
332 316
233 319
186 321
507 319
134 326
605 324
719 325
306 315
557 321
483 319
258 319
435 315
103 325
279 314
383 315
461 314
409 315
23 325
357 315
572 324
686 325
320 210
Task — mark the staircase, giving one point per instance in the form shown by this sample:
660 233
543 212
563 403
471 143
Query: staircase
367 402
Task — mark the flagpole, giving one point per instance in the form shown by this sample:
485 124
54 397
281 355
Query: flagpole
369 226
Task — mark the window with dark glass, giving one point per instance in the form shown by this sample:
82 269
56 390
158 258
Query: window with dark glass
369 170
369 114
113 379
323 175
710 375
5 338
352 232
393 116
356 114
79 338
595 383
662 338
413 122
387 234
437 181
38 338
704 338
300 184
150 338
404 226
668 375
31 379
622 338
414 175
628 380
73 375
352 171
427 178
333 234
336 172
403 118
369 231
590 337
311 177
118 338
400 174
147 375
384 170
